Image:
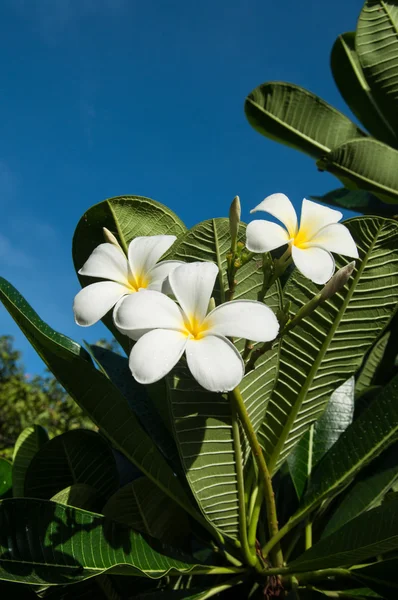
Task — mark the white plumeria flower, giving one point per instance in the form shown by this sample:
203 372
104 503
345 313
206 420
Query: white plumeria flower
311 244
165 330
126 275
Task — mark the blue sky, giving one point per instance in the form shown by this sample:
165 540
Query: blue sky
107 97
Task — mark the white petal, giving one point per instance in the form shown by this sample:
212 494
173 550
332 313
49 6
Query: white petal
108 262
336 238
144 252
192 285
159 274
215 363
314 216
315 263
243 318
155 354
264 236
279 206
94 301
145 310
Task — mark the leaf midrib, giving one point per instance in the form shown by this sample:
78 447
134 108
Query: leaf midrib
314 369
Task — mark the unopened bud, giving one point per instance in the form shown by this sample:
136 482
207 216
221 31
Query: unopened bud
110 238
212 304
234 220
338 281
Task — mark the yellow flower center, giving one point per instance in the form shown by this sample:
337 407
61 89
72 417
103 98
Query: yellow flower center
195 328
301 238
138 281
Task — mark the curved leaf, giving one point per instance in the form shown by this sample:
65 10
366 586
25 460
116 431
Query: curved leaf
367 164
145 508
79 495
377 49
77 456
322 435
367 491
381 576
328 347
27 445
95 394
202 420
372 533
358 200
5 478
368 371
126 217
349 77
294 116
59 544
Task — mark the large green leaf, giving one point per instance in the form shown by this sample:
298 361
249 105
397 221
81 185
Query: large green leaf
328 347
366 164
322 435
372 533
144 507
373 431
60 544
95 394
377 48
368 371
358 200
27 445
294 116
367 491
202 420
126 217
79 495
354 88
382 577
77 456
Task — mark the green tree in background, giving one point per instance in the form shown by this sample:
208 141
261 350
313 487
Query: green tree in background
25 400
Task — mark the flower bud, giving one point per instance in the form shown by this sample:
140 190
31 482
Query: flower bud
212 304
234 220
338 281
110 238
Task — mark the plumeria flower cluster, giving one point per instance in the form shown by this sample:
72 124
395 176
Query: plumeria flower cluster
310 244
162 328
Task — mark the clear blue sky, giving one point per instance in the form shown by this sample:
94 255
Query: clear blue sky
107 97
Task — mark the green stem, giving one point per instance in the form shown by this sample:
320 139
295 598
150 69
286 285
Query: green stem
255 515
222 587
249 557
311 576
308 526
277 557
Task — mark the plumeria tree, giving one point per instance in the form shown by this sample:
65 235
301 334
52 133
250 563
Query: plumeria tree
246 441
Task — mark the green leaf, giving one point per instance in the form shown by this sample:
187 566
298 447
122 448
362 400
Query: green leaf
381 577
59 544
202 420
294 116
358 200
377 48
365 164
144 507
77 456
322 435
354 88
372 533
367 491
126 217
373 431
5 478
95 394
368 371
79 495
328 346
27 445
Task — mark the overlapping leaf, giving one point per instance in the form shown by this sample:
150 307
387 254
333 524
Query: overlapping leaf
358 200
58 544
294 116
27 445
328 346
202 420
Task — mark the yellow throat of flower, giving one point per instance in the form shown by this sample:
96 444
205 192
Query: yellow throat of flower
301 239
138 281
194 327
